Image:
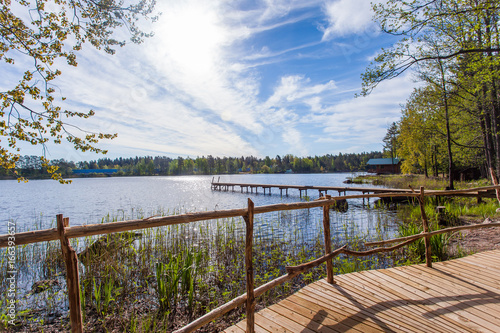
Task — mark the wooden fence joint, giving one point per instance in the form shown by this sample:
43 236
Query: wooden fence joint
72 277
328 240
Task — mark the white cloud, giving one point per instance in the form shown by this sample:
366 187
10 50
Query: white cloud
297 87
196 88
279 8
364 120
346 17
294 139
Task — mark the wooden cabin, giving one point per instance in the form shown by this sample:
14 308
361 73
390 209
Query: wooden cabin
384 165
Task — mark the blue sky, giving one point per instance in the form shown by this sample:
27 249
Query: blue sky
233 78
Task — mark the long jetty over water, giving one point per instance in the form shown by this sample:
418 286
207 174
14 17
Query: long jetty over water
323 190
249 188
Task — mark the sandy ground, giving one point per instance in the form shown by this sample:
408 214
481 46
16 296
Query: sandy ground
478 240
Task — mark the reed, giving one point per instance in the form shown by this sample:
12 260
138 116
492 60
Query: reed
163 277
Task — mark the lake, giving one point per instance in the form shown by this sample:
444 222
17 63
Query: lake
35 204
280 238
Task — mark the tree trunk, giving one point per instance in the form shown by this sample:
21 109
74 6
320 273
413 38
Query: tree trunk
448 142
496 125
436 172
448 132
485 121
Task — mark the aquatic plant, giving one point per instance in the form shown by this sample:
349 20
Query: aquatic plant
173 274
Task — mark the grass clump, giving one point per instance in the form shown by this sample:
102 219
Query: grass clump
457 211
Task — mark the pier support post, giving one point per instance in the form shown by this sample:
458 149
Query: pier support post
328 241
250 305
72 278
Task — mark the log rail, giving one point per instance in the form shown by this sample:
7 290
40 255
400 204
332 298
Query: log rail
64 232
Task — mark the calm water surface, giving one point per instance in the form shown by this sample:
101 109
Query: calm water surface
35 204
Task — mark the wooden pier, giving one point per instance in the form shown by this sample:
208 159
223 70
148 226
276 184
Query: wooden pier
323 190
461 295
342 190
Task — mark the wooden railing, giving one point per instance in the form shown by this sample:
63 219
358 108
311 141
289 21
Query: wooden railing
64 232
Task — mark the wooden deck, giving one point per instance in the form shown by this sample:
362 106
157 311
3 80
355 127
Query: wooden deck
461 295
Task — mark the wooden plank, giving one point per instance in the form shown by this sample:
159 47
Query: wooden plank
396 302
412 300
322 296
289 324
338 313
364 296
454 287
307 317
462 295
468 273
342 320
489 258
492 252
269 325
259 329
337 305
441 305
474 274
234 329
434 291
477 264
319 316
488 264
365 300
451 277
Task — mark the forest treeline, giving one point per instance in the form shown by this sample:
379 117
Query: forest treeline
451 122
31 166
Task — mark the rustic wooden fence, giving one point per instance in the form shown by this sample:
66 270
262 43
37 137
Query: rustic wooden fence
64 232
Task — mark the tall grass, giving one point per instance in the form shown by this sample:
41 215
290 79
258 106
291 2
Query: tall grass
162 278
415 181
456 211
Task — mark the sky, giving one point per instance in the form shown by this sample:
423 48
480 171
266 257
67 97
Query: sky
238 78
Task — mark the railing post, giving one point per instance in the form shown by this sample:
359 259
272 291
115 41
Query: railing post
427 239
328 241
250 308
72 278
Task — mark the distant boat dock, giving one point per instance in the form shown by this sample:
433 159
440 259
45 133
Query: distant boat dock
322 190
